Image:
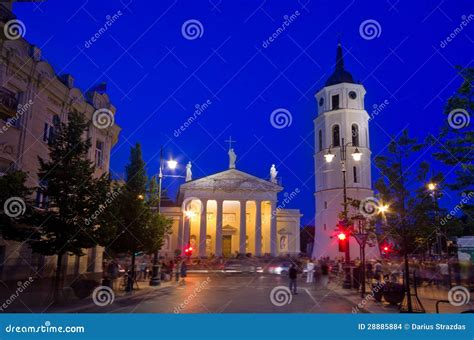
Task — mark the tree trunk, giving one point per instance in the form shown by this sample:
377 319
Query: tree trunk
58 279
131 275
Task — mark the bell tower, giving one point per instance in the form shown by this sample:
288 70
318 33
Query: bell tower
341 125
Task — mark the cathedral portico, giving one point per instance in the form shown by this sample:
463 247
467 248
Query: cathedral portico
233 212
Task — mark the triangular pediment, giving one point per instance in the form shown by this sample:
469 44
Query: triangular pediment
231 180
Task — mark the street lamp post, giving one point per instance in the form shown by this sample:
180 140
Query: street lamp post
361 237
356 155
432 187
172 164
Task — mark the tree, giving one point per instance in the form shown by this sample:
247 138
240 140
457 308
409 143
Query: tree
455 144
140 228
69 224
407 221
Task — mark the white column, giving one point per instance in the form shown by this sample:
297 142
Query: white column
273 229
219 228
243 227
187 225
203 229
258 228
180 232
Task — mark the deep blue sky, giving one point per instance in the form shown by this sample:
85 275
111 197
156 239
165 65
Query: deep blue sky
155 76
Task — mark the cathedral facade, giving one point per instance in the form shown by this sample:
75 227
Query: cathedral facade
229 213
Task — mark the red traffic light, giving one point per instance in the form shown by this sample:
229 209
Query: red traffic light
341 236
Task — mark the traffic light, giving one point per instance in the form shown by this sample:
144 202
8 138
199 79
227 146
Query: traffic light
386 248
342 241
188 251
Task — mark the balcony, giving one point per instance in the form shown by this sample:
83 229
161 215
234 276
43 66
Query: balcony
8 104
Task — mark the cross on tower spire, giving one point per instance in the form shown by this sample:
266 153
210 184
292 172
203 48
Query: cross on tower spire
230 141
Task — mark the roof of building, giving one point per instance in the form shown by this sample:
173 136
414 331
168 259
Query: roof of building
340 74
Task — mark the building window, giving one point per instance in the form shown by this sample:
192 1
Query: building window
99 154
335 136
324 226
48 132
320 140
42 200
355 135
356 179
325 205
335 102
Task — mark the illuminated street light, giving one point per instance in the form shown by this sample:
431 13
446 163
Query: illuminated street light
432 186
190 213
172 164
383 208
329 156
141 197
357 155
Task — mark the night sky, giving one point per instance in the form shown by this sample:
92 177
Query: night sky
155 76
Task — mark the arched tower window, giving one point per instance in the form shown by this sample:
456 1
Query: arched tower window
336 136
320 140
356 178
355 135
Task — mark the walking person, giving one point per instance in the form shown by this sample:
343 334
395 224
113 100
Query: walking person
184 271
309 271
113 271
177 270
293 274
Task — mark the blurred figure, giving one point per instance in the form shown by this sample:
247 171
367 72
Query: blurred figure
310 271
293 275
